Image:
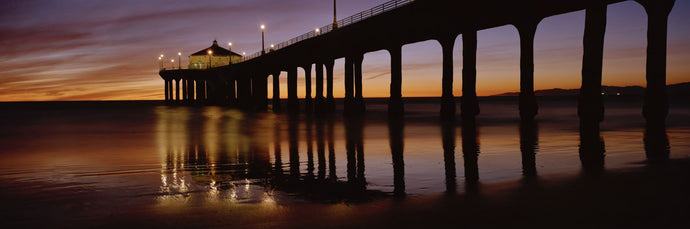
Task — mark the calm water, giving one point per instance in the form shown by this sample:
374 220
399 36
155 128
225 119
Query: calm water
93 160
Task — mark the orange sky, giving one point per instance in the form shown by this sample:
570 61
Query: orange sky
109 51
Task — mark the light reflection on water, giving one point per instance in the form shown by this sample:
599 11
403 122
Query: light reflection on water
185 156
247 157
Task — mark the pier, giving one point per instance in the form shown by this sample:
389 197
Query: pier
399 22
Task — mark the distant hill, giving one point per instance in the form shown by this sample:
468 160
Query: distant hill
679 90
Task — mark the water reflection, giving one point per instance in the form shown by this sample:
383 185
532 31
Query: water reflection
656 142
470 154
210 151
592 148
448 138
236 156
226 153
529 143
354 145
396 141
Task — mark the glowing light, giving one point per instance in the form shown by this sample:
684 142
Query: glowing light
210 52
272 46
317 30
229 43
172 60
263 27
179 54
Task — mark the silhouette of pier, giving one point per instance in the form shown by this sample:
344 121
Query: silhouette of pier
399 22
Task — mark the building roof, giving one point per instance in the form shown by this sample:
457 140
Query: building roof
217 51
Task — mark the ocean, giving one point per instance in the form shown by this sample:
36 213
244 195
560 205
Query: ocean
142 163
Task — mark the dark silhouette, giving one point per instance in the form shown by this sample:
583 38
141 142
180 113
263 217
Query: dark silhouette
321 147
590 105
310 146
293 145
592 148
331 149
278 164
398 22
470 154
354 146
396 129
529 143
656 143
448 135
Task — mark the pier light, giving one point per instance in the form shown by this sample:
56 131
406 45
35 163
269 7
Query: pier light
317 31
230 46
210 53
179 60
160 62
263 47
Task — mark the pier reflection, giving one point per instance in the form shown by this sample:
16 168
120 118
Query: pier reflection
529 143
470 154
236 156
592 148
396 125
448 138
656 144
228 153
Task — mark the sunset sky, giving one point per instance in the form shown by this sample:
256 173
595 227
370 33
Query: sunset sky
108 50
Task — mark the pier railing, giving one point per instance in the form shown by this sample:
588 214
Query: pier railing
385 7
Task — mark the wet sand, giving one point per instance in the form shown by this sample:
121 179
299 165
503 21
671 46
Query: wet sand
651 196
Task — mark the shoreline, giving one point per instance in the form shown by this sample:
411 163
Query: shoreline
650 195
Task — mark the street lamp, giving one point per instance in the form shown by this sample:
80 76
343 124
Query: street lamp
172 63
335 21
317 31
210 53
272 48
263 48
179 60
243 53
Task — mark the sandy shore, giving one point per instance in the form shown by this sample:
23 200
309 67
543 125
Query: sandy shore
648 196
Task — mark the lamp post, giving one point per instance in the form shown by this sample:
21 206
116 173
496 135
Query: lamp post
172 63
179 60
210 53
263 48
273 48
317 31
160 62
335 21
243 53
